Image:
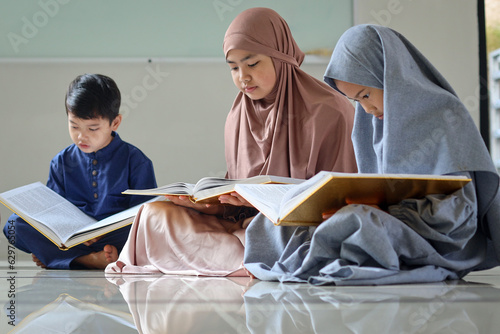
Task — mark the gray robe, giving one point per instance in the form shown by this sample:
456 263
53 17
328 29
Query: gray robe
425 130
418 240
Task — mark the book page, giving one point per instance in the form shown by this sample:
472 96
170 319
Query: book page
211 194
49 208
297 194
216 182
212 182
264 197
301 188
177 188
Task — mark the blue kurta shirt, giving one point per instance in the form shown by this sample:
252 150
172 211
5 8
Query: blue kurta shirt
94 181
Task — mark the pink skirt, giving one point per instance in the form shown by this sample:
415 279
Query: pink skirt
171 239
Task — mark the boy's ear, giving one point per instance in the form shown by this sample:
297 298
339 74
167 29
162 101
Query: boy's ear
116 122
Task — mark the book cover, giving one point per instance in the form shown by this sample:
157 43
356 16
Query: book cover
304 204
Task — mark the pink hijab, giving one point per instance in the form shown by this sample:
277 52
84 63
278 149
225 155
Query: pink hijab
302 127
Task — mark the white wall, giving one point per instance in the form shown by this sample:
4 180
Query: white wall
179 123
445 31
166 28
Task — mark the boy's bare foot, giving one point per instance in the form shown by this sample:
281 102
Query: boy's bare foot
37 261
98 260
111 253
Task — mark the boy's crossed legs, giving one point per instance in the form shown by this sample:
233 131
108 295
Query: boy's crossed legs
93 254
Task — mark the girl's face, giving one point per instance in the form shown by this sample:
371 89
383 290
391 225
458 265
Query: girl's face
91 135
371 99
252 73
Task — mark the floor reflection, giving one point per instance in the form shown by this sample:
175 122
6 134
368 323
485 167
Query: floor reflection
185 304
60 302
449 307
76 302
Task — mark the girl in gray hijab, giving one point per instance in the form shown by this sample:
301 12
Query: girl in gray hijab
408 120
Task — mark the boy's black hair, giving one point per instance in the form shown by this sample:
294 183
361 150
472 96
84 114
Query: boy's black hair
93 96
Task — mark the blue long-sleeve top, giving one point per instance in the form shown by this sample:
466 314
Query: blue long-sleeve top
94 181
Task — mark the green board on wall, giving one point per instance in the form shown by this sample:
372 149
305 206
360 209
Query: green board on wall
152 28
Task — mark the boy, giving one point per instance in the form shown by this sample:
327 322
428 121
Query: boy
91 174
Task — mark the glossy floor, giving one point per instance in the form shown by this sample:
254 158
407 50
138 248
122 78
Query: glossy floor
50 301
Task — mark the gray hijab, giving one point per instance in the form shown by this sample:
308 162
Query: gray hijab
426 128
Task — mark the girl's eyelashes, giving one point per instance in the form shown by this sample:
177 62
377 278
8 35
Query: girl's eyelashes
249 65
366 96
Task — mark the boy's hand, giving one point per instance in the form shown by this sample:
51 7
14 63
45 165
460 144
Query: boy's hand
91 241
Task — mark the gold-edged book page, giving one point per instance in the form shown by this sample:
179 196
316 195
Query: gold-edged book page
211 195
338 191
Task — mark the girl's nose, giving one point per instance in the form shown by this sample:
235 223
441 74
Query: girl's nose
368 108
244 77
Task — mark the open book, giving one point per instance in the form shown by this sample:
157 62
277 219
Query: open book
58 219
208 189
305 203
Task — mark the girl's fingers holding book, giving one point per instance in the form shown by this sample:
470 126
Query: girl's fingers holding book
327 214
179 200
234 199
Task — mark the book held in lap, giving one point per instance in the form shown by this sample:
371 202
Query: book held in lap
58 219
304 204
208 189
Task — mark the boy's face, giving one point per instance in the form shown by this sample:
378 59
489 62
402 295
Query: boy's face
91 135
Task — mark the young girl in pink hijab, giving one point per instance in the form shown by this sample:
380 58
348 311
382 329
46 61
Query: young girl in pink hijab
283 122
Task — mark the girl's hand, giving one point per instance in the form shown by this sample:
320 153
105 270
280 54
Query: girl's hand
350 201
185 201
234 199
329 213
